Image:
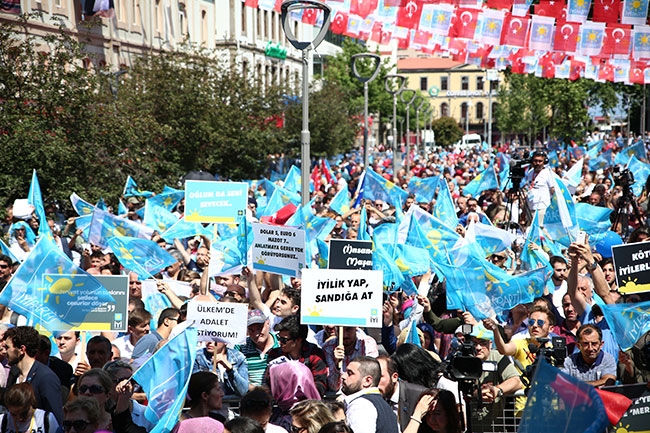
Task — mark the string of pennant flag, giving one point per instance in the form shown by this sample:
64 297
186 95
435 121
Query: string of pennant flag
604 40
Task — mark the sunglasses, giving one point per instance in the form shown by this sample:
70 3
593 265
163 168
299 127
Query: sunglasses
94 389
4 266
296 429
78 425
284 340
232 293
540 322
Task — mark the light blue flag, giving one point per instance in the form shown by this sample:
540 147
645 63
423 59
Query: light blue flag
385 234
517 289
323 253
363 234
7 252
377 188
421 229
279 199
560 220
158 217
244 239
487 179
637 149
444 206
121 208
269 187
227 231
640 171
142 256
460 280
275 176
105 225
381 260
601 162
165 378
529 258
313 225
81 206
577 152
491 239
184 230
627 321
504 175
131 189
35 198
424 189
101 204
230 252
169 189
292 182
341 202
50 290
411 260
412 337
594 220
597 144
168 200
575 405
573 177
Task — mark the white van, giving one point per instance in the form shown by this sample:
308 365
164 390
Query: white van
470 141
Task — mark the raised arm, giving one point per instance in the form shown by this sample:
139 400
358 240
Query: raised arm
507 349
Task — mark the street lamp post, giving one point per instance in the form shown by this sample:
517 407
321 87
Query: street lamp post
468 106
492 75
304 46
362 59
394 84
419 103
407 96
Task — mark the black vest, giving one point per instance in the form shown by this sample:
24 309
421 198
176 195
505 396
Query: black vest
386 419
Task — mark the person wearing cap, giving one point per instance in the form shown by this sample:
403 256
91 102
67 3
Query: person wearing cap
503 380
259 341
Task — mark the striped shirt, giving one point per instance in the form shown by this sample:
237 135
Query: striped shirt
257 362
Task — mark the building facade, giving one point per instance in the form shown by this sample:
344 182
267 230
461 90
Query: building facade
460 91
251 39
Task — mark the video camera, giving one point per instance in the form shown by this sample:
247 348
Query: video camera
519 161
623 178
464 367
554 355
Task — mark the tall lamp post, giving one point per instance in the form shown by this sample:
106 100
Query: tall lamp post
408 96
468 106
419 104
394 85
492 75
369 62
287 7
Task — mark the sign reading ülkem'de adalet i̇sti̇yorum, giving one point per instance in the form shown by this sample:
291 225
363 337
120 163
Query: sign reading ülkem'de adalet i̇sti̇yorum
341 297
219 321
215 202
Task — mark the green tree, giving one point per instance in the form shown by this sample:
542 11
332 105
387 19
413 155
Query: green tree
447 131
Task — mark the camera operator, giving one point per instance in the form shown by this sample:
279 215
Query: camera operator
539 181
524 350
591 364
503 380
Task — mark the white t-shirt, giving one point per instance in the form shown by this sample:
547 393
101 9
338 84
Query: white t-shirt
35 424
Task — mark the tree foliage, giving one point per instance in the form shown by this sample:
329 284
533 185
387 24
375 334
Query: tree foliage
447 131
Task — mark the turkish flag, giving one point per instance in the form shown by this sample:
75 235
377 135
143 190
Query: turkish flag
375 35
339 23
577 70
251 3
403 43
499 4
278 5
636 72
606 72
515 31
606 11
566 36
617 40
422 37
555 9
464 26
310 16
392 3
409 15
363 8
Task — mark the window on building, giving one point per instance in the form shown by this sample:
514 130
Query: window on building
244 70
274 26
266 25
444 109
444 83
258 12
480 81
204 27
464 83
479 110
463 110
424 84
243 19
494 85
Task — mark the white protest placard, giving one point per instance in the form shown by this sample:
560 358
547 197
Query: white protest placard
219 321
279 250
341 298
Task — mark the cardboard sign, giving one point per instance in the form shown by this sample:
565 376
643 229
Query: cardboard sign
348 254
219 321
632 266
215 202
341 298
111 316
279 250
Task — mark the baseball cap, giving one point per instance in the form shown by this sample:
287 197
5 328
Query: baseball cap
256 316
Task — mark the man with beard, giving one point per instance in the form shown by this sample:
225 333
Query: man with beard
401 395
366 410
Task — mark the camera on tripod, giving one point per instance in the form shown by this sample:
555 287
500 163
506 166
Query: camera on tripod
519 162
464 367
623 178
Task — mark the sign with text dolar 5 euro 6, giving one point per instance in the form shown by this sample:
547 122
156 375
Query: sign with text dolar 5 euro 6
279 250
215 202
632 266
219 321
341 298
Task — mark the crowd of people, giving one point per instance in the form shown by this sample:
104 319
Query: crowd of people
290 377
